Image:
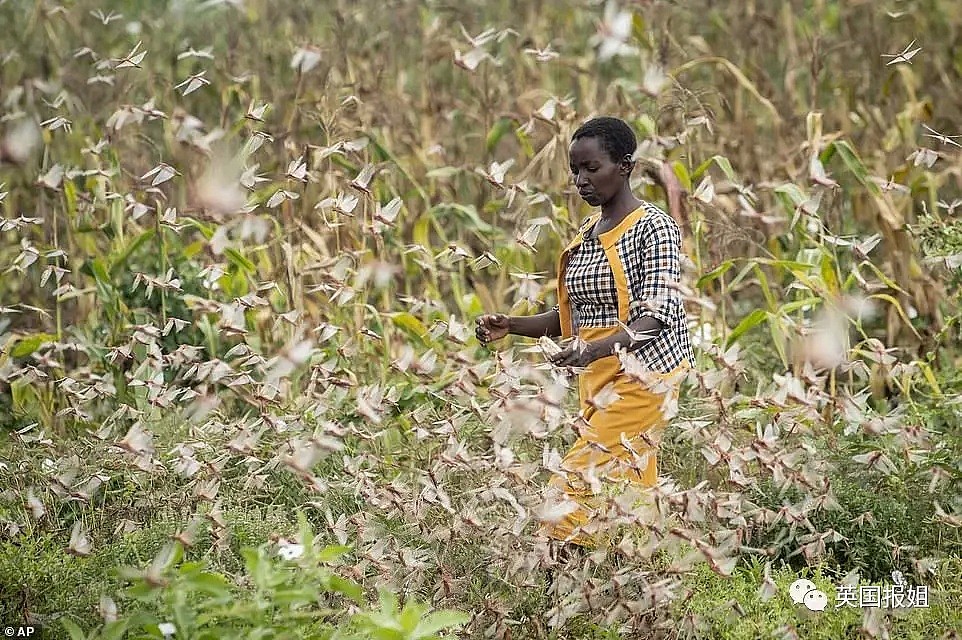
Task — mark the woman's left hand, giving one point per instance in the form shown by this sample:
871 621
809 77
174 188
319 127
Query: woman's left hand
573 356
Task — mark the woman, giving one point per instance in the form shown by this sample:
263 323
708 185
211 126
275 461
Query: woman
618 268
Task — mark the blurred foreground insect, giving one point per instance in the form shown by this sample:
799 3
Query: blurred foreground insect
905 56
106 19
132 59
941 137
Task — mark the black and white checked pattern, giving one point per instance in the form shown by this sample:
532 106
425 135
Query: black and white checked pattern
650 254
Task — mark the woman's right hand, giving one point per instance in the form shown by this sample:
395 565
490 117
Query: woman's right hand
491 326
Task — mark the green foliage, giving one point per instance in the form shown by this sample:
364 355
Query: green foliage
735 608
412 622
882 525
293 592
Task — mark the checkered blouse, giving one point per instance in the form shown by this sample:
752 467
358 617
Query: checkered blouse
650 252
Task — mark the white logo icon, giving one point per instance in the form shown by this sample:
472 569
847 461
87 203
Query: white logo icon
815 600
805 592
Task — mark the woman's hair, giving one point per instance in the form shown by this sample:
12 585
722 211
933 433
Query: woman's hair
614 134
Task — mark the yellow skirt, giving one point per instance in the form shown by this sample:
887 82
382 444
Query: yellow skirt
636 418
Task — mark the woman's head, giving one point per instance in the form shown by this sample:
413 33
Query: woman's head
600 158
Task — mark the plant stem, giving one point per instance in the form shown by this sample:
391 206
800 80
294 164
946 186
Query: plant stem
163 261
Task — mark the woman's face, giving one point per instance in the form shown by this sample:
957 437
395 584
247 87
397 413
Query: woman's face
596 177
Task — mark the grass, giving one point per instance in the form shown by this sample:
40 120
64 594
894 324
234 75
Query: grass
286 367
733 609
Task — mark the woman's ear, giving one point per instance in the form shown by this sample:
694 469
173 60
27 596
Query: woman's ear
627 163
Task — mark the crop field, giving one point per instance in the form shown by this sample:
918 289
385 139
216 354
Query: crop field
243 247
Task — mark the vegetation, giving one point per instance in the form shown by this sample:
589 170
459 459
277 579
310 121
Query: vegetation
244 244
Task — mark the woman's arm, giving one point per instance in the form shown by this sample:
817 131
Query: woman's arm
542 324
649 326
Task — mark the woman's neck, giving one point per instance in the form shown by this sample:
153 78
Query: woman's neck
620 206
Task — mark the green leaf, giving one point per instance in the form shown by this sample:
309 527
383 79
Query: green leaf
777 328
722 163
421 233
647 125
386 154
210 583
24 396
332 552
115 630
28 344
884 278
854 165
930 377
440 620
253 562
294 596
700 169
471 303
794 193
791 265
237 259
305 533
638 27
410 324
715 273
725 166
142 591
766 290
681 172
192 568
749 322
525 142
827 154
468 212
344 163
500 128
443 172
411 616
205 229
795 305
388 601
741 274
99 271
171 555
121 260
898 307
813 126
347 587
70 197
73 629
828 273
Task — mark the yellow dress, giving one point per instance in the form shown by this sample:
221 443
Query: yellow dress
638 411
